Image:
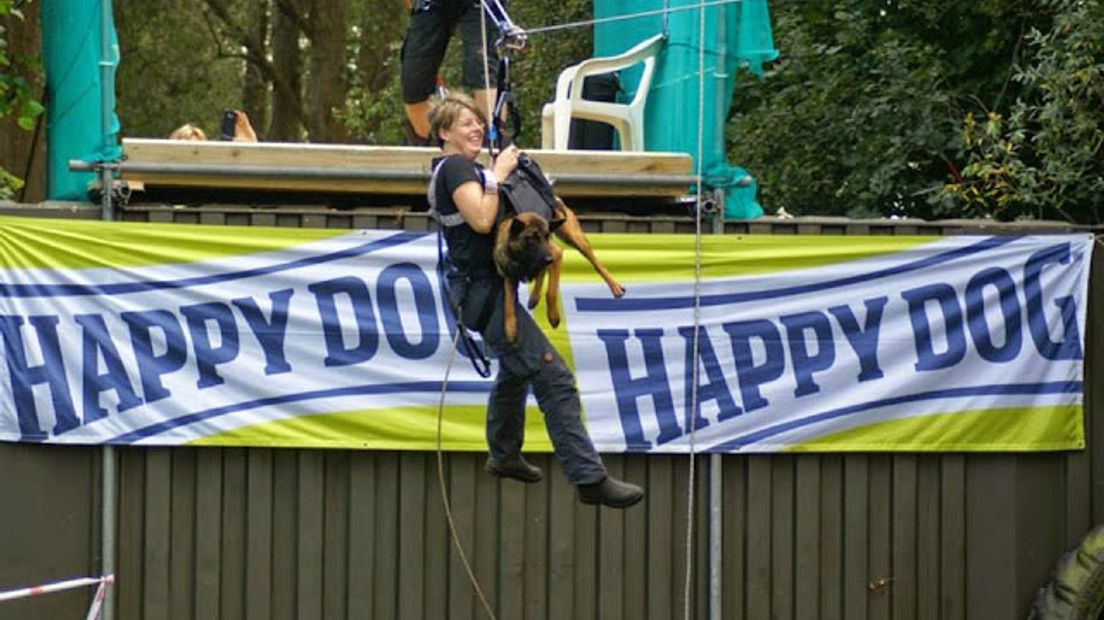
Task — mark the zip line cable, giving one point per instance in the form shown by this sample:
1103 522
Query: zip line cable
616 18
691 413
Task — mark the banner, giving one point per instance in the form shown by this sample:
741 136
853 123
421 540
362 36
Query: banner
200 335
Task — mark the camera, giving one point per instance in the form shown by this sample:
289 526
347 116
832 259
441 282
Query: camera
228 124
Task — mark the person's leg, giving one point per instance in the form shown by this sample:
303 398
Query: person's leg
427 36
476 54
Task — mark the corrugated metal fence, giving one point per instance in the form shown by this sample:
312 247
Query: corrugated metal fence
259 533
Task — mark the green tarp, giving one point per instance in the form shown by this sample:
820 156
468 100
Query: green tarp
80 85
737 35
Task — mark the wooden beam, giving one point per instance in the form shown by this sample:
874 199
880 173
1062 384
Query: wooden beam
383 169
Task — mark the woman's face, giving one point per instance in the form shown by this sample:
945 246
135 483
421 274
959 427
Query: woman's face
465 136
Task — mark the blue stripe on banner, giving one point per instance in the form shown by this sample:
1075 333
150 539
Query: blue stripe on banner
1011 389
628 304
471 387
124 288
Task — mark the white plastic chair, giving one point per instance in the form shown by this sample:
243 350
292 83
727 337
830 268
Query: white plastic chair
626 118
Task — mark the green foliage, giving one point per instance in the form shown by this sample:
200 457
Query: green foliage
16 94
1045 160
860 115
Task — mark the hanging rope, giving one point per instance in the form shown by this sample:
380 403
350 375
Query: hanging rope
691 413
444 487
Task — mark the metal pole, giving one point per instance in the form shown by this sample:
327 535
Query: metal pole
716 489
106 89
107 485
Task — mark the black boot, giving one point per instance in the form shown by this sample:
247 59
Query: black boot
610 492
516 468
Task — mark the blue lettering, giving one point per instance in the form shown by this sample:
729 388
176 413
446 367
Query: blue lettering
24 376
208 357
424 303
805 364
864 340
927 358
740 333
654 383
270 333
152 367
367 333
1069 348
96 342
716 388
1010 309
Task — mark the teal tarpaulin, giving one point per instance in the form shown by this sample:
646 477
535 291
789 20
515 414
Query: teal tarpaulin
80 85
737 35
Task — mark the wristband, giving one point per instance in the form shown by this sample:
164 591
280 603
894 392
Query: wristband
490 183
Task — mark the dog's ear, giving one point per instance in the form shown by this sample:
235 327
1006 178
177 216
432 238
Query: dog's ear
516 227
556 223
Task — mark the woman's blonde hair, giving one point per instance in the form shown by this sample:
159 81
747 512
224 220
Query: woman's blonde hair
445 111
187 131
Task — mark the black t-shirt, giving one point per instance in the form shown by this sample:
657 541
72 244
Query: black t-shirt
471 252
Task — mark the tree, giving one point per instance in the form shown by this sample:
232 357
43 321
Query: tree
861 115
20 76
1043 157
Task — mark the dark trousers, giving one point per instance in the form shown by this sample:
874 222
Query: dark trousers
532 362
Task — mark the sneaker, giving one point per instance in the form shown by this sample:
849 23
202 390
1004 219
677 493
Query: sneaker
516 468
610 492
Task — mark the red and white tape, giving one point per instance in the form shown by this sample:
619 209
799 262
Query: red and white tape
68 584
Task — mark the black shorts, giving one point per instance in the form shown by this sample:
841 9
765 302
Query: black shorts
427 38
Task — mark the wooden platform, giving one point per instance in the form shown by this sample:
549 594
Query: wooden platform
387 170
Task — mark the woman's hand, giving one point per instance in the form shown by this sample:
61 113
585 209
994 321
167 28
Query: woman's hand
505 163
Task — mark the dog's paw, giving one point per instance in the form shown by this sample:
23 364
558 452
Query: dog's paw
553 316
617 290
534 299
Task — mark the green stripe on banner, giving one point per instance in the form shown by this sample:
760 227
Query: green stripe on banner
28 242
1010 429
403 428
667 258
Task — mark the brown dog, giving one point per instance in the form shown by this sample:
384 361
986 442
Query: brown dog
523 251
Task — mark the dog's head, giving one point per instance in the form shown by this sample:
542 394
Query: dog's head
524 250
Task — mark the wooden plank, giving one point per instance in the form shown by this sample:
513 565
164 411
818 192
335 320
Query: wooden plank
680 497
928 537
734 524
386 568
831 537
952 521
411 585
806 575
181 533
410 168
1040 516
511 549
285 498
661 541
880 581
362 533
561 545
856 570
611 549
535 604
636 548
486 538
258 533
991 539
1094 392
437 543
309 534
208 532
586 563
903 587
130 570
463 603
233 551
335 535
782 538
759 527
